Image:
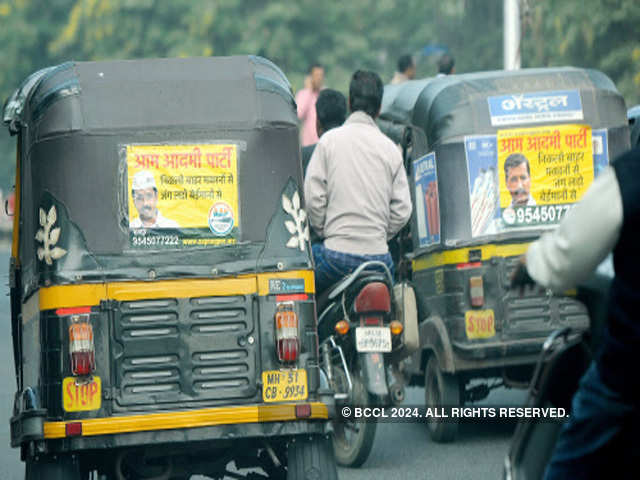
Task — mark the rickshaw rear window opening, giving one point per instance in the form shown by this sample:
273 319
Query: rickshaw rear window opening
181 195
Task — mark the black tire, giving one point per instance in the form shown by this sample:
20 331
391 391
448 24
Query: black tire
353 440
63 468
441 390
311 458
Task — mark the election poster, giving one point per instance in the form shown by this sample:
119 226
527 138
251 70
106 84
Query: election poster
427 205
542 171
530 177
182 195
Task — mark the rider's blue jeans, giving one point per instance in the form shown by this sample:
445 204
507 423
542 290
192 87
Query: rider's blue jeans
600 437
332 266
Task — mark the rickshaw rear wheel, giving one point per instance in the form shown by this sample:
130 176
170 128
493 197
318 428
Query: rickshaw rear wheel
62 468
311 458
441 390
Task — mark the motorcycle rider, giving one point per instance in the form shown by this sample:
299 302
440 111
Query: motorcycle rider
600 436
356 190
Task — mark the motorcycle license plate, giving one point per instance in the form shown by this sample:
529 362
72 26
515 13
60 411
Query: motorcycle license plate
79 396
373 339
284 385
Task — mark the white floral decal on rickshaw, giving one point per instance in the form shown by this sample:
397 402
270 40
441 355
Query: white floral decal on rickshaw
49 237
299 227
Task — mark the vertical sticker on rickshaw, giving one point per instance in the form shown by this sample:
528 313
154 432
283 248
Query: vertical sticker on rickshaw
182 195
427 205
542 171
482 156
600 142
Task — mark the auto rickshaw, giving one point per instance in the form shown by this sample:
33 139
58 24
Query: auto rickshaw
495 159
162 292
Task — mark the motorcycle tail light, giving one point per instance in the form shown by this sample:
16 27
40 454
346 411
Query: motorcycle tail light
476 291
81 345
374 297
287 336
374 320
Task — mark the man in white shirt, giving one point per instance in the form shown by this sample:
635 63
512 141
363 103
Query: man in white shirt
145 198
356 190
601 435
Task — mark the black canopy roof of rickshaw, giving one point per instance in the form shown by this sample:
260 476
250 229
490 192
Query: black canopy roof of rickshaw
452 106
154 93
75 119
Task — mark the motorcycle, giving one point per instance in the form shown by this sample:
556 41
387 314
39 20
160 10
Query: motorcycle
358 336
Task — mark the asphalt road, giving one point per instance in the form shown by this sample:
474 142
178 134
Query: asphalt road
405 451
10 466
401 450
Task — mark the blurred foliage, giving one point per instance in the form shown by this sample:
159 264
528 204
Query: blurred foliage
343 36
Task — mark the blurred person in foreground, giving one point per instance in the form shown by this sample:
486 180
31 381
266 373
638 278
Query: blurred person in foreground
600 436
446 65
356 190
406 70
306 101
331 111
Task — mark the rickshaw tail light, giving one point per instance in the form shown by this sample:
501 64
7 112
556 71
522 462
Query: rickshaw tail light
374 297
81 345
476 291
287 336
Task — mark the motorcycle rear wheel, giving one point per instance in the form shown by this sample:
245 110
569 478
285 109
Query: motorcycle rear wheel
353 439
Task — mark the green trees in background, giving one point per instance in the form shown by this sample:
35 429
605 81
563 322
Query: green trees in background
343 36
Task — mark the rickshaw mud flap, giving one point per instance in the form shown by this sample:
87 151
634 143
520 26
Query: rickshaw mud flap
187 419
373 372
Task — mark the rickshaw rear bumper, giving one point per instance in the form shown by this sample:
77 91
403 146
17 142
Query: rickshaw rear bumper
211 424
479 356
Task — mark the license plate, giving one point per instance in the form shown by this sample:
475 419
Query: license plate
284 385
480 324
373 339
78 396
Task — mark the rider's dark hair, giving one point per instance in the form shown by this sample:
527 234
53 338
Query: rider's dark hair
331 108
404 62
513 161
445 64
365 92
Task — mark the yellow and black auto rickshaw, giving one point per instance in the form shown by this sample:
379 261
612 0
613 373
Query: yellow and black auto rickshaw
162 292
495 159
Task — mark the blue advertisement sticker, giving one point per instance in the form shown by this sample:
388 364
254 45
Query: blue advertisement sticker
427 205
482 163
536 107
600 150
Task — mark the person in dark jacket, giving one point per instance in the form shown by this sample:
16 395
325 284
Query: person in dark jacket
601 434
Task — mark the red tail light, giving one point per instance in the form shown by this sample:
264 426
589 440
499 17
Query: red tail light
287 336
81 346
375 320
374 297
476 291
